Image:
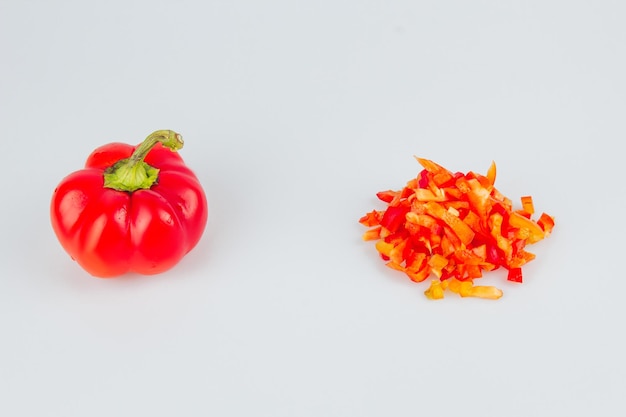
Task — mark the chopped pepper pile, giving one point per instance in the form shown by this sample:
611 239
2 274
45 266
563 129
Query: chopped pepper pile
454 226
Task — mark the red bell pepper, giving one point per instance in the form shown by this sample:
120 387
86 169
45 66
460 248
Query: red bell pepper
131 209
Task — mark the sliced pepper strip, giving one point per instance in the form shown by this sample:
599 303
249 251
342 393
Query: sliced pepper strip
454 226
462 230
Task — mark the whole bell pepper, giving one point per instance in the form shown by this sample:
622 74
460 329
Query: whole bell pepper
131 209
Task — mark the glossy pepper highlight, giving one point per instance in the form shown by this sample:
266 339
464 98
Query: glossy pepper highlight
131 209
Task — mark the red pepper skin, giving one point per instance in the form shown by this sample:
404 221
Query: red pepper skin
394 217
515 275
147 231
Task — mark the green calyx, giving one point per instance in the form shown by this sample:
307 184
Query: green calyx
133 173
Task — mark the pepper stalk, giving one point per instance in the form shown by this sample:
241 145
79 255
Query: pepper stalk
133 173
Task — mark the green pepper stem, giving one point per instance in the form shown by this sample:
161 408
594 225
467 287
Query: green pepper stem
133 173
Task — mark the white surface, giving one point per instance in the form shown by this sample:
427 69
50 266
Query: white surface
295 114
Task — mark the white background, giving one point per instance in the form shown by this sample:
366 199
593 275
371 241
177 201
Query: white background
294 115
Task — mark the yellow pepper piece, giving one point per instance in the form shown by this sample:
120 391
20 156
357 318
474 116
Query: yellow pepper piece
435 291
384 247
485 291
468 289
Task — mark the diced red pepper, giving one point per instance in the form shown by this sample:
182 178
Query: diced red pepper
462 230
387 196
371 219
527 204
454 226
394 217
515 275
546 223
